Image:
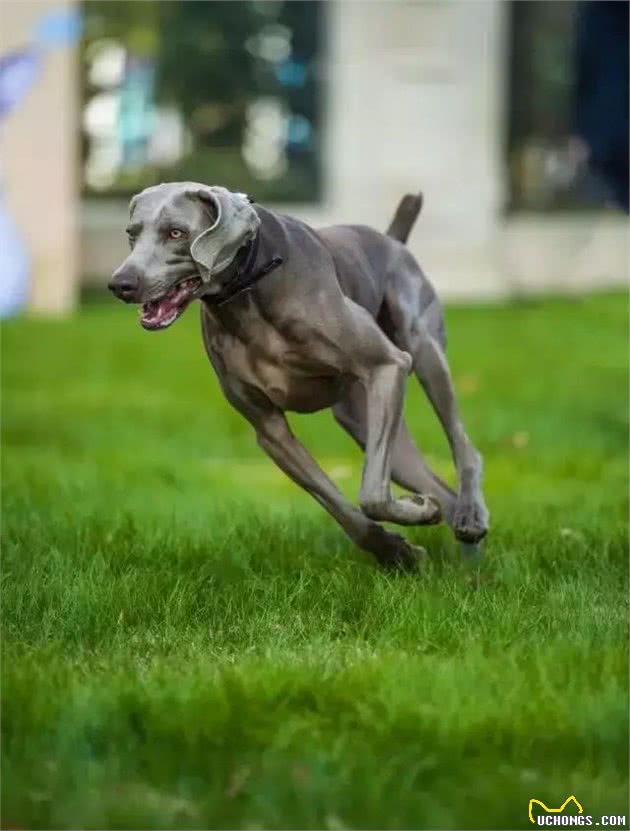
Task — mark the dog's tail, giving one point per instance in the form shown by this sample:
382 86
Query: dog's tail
405 216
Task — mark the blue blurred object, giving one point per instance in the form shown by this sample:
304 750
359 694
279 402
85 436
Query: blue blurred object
291 73
14 265
299 131
136 110
18 70
59 27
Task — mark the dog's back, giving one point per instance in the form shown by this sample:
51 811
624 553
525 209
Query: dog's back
368 262
363 260
371 267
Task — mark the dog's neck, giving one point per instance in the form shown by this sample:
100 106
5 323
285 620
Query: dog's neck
241 275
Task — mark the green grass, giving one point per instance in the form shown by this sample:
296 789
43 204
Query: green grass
190 642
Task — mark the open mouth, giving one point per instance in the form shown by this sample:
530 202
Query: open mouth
160 313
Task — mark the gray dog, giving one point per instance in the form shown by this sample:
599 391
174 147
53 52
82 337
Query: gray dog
300 319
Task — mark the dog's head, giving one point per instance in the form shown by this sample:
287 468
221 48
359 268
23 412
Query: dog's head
181 235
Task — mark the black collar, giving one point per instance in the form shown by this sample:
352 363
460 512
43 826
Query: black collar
245 276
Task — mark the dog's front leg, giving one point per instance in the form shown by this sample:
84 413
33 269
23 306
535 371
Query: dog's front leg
276 439
385 389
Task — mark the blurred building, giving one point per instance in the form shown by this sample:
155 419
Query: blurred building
330 111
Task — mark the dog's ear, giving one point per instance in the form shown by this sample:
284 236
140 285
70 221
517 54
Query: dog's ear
233 223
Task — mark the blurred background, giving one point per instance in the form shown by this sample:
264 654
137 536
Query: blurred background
188 641
510 116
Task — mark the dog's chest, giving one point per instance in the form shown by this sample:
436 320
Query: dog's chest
287 367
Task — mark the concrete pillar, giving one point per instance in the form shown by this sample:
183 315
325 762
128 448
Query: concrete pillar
415 102
39 161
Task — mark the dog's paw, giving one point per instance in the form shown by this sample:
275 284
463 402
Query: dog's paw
470 521
401 555
426 508
391 550
406 510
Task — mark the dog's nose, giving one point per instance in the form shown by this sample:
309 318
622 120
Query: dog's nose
125 283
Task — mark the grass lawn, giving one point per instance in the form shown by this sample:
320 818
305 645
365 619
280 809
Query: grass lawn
189 641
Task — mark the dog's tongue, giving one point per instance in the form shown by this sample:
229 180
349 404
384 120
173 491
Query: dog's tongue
158 314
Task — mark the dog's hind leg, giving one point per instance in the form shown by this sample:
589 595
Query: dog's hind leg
470 519
409 469
417 327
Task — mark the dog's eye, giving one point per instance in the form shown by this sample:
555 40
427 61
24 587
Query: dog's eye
175 233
